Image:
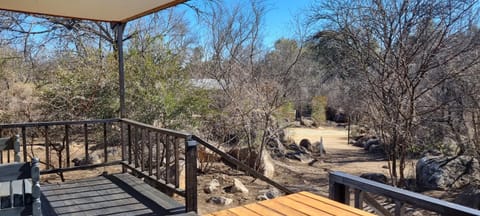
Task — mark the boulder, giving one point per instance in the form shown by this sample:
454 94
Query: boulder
370 142
211 186
378 177
266 165
220 200
238 187
469 197
376 149
305 143
307 122
442 173
361 141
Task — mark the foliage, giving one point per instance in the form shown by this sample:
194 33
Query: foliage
158 89
319 105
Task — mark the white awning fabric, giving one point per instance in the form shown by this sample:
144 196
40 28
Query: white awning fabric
97 10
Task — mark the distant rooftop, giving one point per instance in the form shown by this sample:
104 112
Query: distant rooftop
210 84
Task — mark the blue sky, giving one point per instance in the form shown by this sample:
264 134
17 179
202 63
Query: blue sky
280 16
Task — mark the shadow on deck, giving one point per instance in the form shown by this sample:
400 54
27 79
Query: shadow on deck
117 194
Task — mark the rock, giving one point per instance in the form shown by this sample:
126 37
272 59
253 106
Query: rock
305 143
440 172
469 197
370 142
300 156
211 186
266 165
319 148
378 177
307 122
238 187
361 142
268 194
220 200
376 149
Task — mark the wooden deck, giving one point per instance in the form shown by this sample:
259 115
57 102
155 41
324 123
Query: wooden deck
118 194
301 204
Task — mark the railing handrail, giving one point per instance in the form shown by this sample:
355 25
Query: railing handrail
54 123
398 194
157 129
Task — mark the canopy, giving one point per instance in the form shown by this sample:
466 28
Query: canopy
97 10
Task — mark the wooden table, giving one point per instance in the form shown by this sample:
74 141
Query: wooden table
302 203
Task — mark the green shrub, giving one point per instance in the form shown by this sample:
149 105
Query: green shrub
319 105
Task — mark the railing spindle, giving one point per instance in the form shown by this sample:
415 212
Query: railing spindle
85 127
105 152
24 143
157 157
47 148
358 202
67 144
149 149
177 163
142 149
167 159
399 208
129 138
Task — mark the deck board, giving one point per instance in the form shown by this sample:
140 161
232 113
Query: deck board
303 203
118 194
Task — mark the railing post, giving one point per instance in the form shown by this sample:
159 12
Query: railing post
338 191
35 172
190 174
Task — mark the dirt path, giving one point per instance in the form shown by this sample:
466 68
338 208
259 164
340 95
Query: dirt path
340 157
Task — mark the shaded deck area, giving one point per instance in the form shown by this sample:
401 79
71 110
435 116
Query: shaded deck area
117 194
302 203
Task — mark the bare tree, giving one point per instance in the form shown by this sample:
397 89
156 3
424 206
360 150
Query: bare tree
401 52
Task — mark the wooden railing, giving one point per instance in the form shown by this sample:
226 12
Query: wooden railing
342 184
158 155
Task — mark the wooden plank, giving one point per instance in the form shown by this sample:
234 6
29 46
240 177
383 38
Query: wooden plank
306 209
148 191
280 207
262 210
243 211
322 206
332 202
225 213
14 171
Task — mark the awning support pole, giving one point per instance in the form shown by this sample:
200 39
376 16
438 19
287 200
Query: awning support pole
119 29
